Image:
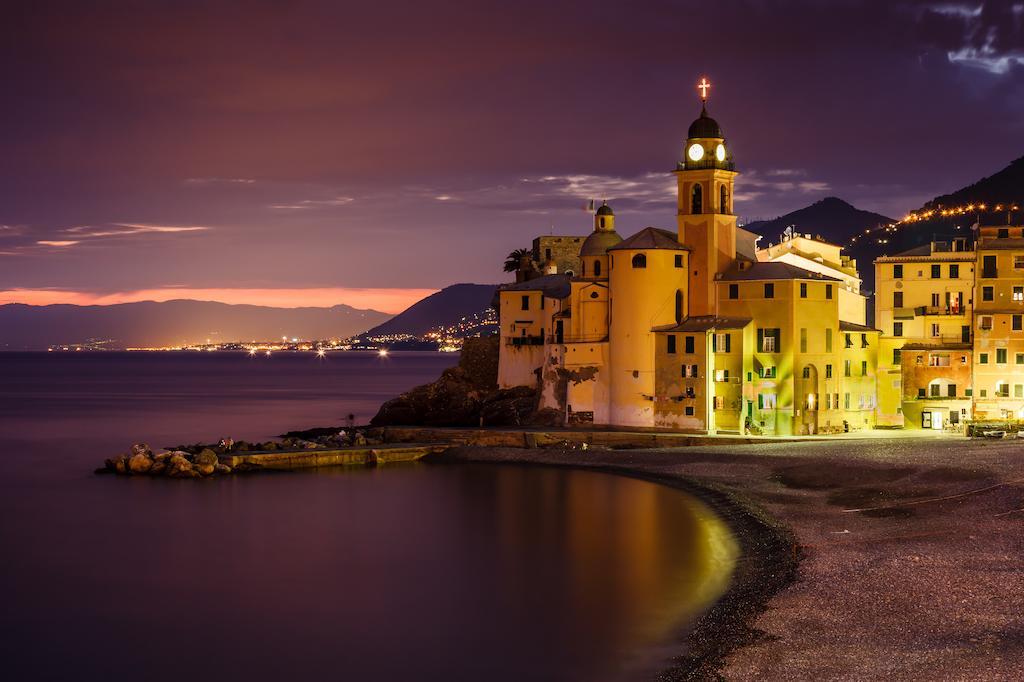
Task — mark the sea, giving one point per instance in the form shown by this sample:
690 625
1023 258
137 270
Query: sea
403 572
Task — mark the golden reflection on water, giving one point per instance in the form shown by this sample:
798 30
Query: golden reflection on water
653 555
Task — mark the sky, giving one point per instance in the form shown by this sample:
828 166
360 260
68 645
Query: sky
319 152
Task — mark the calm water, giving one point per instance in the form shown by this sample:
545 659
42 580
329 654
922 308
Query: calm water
414 572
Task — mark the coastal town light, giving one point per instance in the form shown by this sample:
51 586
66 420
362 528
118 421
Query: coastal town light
383 353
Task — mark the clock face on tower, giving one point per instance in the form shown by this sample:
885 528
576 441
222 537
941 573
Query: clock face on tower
695 152
720 152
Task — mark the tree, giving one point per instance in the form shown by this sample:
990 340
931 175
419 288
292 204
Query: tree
512 260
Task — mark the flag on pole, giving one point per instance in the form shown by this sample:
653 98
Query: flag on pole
589 206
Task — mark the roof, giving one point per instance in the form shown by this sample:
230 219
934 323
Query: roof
772 270
605 209
598 242
705 126
552 286
845 326
999 244
651 238
704 323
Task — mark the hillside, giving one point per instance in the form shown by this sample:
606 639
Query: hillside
444 308
832 218
150 324
1006 186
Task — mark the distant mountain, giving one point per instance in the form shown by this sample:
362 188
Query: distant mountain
832 218
1006 186
446 307
150 324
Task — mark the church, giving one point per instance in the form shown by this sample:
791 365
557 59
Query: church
695 329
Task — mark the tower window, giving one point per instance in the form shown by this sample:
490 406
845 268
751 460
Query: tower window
639 261
697 202
679 306
601 221
897 271
526 302
679 260
723 199
769 290
734 291
597 268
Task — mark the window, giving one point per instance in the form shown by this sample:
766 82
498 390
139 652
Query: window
828 371
986 322
671 343
688 410
897 329
1000 356
938 359
689 344
1018 262
767 372
1003 233
807 372
721 375
934 390
679 306
897 271
896 353
1018 390
954 271
526 303
846 400
1019 358
828 291
639 261
1018 293
721 343
767 401
828 340
1016 323
734 291
803 339
846 368
769 290
848 340
968 392
597 268
983 393
935 329
690 371
768 340
920 393
951 390
696 201
863 368
828 401
679 260
897 299
936 271
722 200
988 266
986 294
983 359
935 300
1002 390
863 340
803 289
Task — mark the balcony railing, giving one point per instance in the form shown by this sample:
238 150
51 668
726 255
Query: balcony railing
525 341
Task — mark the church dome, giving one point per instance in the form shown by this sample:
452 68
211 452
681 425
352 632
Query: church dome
598 243
705 126
605 209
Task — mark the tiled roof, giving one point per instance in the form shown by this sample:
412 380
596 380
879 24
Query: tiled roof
704 323
651 238
552 286
769 270
853 327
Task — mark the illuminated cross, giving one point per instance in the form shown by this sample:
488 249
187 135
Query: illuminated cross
704 86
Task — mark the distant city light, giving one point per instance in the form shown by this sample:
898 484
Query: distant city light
383 352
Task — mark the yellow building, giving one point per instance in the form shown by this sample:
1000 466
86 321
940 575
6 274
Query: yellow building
696 329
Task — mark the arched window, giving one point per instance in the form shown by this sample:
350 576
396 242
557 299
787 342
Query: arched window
602 221
696 205
723 199
597 268
639 261
679 306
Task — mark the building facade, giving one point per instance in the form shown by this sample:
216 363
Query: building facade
694 329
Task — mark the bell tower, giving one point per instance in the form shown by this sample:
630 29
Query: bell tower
707 225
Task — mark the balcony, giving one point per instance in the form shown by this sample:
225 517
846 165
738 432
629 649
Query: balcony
524 341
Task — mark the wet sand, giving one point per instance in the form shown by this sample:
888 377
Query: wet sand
863 559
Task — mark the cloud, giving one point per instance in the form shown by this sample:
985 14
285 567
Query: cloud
219 181
306 204
383 299
129 229
988 36
60 243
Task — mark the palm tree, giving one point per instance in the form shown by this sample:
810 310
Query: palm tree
512 260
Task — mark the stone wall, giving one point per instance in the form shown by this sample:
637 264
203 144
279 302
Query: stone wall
564 250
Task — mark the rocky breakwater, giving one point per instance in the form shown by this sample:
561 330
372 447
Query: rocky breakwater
468 395
142 461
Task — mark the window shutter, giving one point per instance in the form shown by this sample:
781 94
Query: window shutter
760 401
760 340
714 342
728 343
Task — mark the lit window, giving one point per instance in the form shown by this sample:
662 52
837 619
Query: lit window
935 329
986 322
1018 262
1018 293
721 375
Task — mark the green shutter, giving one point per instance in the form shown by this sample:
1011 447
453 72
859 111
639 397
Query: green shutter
728 343
760 340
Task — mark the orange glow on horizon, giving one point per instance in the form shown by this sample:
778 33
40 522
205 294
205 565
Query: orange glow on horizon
384 300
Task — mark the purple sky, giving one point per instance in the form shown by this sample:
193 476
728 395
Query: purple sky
338 146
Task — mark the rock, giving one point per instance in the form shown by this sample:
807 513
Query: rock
158 468
509 407
306 444
141 449
269 445
359 440
204 469
121 465
178 466
206 457
242 446
140 463
222 469
162 456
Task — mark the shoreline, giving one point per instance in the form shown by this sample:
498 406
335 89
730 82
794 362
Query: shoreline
726 623
861 559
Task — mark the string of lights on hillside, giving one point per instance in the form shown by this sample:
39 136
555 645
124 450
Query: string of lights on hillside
920 216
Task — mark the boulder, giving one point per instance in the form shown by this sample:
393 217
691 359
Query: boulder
222 469
157 469
140 463
178 466
141 449
121 465
162 456
204 469
509 407
206 457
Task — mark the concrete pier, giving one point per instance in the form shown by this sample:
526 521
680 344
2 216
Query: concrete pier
310 459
